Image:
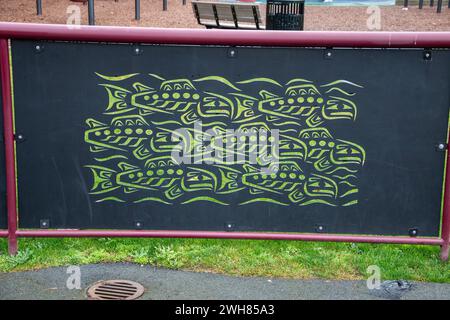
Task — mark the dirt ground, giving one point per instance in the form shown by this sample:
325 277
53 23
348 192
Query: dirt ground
110 12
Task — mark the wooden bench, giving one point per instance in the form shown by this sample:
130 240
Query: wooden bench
227 15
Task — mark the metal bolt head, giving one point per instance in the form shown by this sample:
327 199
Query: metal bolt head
328 54
413 232
232 53
427 55
229 226
38 47
441 146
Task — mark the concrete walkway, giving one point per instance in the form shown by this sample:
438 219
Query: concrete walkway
168 284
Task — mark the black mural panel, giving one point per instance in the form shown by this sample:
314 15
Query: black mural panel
3 215
196 138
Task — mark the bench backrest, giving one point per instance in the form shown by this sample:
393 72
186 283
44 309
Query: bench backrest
237 13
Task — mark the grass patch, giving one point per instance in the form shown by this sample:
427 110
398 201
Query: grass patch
286 259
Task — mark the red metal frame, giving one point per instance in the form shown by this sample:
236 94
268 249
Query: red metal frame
8 127
226 37
204 37
445 223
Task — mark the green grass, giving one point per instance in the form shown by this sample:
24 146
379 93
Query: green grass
287 259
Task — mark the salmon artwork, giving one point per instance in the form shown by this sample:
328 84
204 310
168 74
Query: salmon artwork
147 119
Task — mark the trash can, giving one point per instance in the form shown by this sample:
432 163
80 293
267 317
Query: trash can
285 14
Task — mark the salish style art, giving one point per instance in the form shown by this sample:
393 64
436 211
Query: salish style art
134 140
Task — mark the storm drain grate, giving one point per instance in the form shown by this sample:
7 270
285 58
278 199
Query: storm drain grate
115 290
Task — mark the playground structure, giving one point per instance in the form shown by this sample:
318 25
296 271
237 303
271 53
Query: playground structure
81 152
91 8
439 5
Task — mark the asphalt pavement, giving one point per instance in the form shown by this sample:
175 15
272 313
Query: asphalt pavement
159 283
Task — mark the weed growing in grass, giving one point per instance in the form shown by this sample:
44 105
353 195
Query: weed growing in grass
20 258
166 256
141 255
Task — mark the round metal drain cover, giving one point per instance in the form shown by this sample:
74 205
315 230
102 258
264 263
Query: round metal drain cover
115 290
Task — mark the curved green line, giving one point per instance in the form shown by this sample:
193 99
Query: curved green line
298 80
110 199
156 76
345 177
286 123
151 199
260 80
341 81
350 203
205 199
313 201
263 200
220 79
341 91
352 191
116 78
347 183
166 122
110 158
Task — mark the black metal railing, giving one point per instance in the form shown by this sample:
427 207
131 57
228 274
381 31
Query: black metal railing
285 15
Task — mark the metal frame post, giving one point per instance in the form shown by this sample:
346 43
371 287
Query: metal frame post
8 128
91 12
164 5
39 7
137 9
445 223
439 6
